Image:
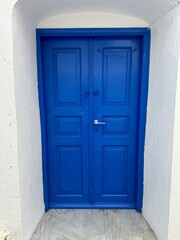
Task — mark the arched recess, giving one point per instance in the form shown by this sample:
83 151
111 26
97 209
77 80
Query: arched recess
25 22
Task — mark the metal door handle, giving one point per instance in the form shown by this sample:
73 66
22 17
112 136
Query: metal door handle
96 122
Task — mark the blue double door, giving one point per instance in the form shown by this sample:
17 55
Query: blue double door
91 96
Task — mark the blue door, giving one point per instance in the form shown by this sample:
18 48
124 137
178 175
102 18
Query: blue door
91 113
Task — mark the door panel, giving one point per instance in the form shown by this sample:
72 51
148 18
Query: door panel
67 76
114 161
69 170
115 75
65 83
116 80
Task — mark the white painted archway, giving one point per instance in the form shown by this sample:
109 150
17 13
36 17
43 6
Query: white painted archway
21 172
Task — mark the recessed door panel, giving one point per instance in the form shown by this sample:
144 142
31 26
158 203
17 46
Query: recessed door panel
67 70
114 170
116 125
69 178
68 126
115 79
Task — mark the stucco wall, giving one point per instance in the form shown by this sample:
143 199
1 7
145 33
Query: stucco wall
174 217
21 203
27 106
160 122
91 20
28 120
10 211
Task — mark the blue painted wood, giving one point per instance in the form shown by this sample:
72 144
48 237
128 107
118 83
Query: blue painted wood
117 79
91 206
93 32
145 59
67 115
65 82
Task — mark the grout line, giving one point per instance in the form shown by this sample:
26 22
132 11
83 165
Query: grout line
162 15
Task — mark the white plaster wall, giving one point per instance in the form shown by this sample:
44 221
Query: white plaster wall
21 195
29 136
160 123
174 217
91 20
28 120
21 203
10 211
21 198
149 10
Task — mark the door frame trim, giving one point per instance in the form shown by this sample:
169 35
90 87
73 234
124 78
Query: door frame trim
144 34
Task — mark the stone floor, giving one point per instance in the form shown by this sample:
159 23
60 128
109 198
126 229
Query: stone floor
93 225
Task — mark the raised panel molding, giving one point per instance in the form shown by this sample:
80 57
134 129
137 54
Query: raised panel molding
68 126
116 125
116 76
115 160
69 170
67 76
